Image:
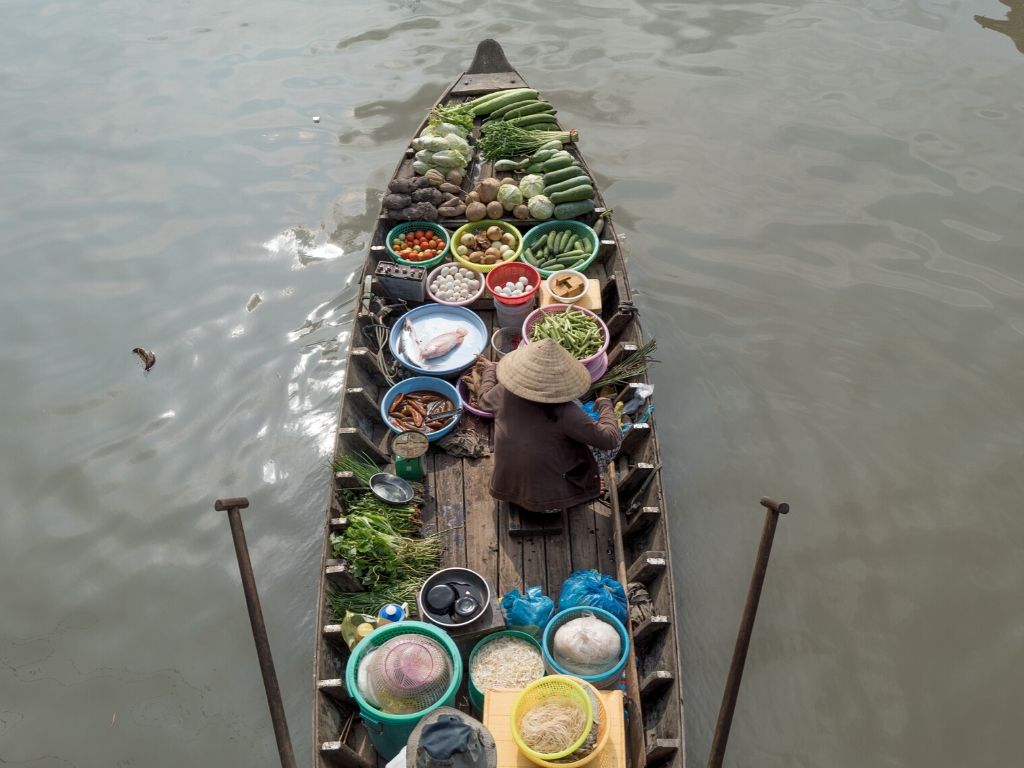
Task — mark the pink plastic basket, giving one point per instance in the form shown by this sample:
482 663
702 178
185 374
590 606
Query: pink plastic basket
535 316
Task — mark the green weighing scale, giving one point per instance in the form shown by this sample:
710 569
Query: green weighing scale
409 448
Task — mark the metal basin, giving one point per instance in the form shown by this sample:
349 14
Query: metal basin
391 488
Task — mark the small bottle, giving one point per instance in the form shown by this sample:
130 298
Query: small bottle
391 612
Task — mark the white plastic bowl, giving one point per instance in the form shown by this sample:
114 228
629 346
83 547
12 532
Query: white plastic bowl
567 299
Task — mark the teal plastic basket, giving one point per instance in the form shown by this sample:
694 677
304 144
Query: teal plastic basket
578 228
409 226
476 696
389 733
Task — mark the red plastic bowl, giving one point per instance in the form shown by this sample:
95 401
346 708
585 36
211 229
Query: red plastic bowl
512 271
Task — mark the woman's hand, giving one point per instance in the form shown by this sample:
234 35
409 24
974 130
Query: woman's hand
607 392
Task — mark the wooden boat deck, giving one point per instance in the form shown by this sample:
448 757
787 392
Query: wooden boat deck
475 528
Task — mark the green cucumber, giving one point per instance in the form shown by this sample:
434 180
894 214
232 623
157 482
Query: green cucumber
553 144
483 98
559 161
508 165
502 99
577 193
530 108
542 155
563 239
528 120
552 126
542 241
564 186
562 174
573 209
530 258
514 105
553 267
568 256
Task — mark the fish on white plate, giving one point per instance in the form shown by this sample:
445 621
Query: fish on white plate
439 346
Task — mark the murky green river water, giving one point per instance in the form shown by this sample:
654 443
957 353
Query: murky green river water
823 203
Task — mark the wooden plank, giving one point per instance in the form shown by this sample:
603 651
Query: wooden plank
557 560
482 514
523 522
621 350
482 82
340 577
339 753
510 555
534 572
334 689
604 538
582 542
635 440
646 631
641 520
655 683
451 508
660 750
356 440
635 479
647 567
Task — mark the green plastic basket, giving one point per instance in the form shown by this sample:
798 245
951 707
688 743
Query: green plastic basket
409 226
388 732
578 228
476 696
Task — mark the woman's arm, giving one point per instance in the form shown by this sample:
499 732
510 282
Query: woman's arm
603 433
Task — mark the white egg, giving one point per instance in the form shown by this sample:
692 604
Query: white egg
523 280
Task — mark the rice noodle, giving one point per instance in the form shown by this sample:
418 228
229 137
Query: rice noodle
552 726
507 662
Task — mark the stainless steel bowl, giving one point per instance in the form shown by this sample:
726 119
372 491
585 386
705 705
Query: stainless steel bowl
473 579
391 488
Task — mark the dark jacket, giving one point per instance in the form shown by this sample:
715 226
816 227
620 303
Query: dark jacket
540 463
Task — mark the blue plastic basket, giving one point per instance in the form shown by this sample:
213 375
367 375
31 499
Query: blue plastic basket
607 679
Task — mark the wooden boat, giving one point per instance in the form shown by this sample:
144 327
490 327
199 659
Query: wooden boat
628 541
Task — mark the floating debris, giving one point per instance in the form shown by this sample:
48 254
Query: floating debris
148 358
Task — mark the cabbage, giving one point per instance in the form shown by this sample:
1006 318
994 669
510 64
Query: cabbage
531 185
435 143
458 143
540 207
509 196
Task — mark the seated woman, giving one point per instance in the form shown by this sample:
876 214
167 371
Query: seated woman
542 459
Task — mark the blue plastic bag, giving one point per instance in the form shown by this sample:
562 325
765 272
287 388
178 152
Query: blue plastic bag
529 612
597 590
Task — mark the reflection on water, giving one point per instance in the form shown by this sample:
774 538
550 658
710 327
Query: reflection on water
1012 26
821 204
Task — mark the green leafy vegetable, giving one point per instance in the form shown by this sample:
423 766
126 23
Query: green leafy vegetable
504 140
455 114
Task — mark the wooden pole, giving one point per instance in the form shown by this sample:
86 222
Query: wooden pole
739 654
259 629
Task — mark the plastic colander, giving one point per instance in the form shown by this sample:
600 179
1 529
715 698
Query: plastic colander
408 673
554 687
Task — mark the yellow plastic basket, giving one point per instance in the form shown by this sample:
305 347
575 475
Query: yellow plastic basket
539 691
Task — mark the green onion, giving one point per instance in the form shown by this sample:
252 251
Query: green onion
503 140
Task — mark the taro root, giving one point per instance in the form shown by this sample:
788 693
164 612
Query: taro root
419 212
495 209
521 212
420 182
402 186
428 195
394 202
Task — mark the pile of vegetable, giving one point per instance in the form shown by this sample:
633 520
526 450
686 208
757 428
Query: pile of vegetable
487 245
559 249
558 186
425 198
380 546
577 331
418 245
441 146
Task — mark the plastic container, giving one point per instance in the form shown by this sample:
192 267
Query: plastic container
560 687
436 271
476 696
579 229
473 227
511 271
602 724
536 315
428 320
554 276
606 679
389 733
507 338
461 387
417 383
410 226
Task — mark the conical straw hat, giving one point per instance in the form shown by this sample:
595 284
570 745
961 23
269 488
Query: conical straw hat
543 372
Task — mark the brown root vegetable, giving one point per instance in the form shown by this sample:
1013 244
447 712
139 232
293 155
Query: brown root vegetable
476 211
429 195
494 233
488 190
521 212
472 197
435 177
477 257
451 211
402 186
495 209
450 189
420 182
455 177
509 180
395 202
419 212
